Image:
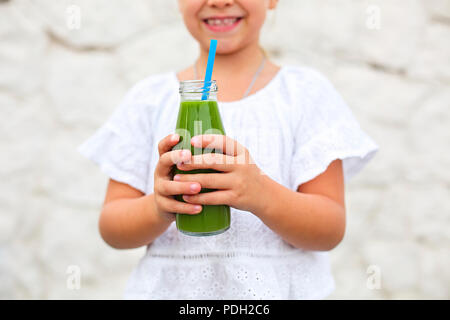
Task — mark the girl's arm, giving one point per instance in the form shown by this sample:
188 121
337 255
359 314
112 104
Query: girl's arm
129 219
313 218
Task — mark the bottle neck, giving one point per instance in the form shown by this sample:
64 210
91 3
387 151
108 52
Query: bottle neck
196 90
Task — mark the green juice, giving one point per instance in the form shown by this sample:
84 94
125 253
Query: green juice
194 118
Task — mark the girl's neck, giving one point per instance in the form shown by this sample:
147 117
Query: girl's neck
240 67
244 62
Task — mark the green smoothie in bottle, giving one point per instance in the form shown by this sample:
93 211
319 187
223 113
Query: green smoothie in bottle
195 117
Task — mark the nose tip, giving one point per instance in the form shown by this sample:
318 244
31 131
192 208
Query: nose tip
220 3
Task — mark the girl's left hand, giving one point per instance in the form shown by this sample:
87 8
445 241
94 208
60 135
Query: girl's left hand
240 182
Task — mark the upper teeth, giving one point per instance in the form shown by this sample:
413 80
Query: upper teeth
221 22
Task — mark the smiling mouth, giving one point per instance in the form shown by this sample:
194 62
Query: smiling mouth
222 22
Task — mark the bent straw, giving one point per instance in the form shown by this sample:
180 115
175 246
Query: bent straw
209 68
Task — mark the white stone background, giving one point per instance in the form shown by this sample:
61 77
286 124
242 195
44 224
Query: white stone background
58 84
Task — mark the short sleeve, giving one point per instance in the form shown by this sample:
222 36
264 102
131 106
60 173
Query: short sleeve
327 131
122 146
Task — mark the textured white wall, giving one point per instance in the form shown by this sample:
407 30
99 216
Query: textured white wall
58 84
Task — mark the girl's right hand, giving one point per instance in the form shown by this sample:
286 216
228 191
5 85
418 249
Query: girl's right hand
165 188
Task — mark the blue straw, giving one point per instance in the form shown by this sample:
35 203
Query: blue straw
209 68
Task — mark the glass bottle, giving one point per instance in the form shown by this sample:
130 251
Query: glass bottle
195 117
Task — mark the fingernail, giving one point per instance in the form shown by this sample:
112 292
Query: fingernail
207 138
195 140
185 153
174 137
194 187
177 177
198 208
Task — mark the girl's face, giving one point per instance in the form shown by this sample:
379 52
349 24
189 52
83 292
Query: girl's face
234 23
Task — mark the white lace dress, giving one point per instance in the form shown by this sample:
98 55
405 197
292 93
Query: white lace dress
294 128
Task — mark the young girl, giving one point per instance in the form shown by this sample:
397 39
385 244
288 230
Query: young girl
300 140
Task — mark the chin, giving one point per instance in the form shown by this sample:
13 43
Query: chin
226 46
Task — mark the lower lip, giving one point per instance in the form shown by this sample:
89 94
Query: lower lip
223 28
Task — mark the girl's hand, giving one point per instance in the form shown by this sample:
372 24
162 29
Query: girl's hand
239 184
165 188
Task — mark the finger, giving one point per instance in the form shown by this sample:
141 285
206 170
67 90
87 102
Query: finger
216 161
216 141
175 206
168 159
171 188
167 143
210 198
206 180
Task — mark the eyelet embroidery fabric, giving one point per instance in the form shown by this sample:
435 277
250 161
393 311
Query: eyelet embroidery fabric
308 126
